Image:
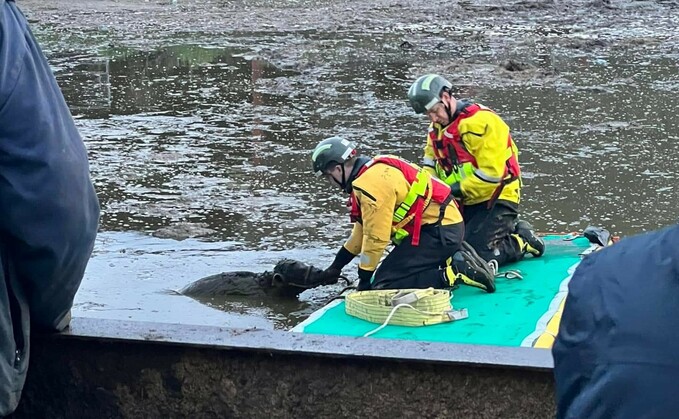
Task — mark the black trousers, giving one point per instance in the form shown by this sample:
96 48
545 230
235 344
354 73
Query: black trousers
489 231
409 266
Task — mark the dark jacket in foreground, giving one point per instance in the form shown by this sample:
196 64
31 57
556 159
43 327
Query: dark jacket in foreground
48 208
617 352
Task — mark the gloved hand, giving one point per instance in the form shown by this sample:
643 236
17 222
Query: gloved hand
330 275
342 258
364 278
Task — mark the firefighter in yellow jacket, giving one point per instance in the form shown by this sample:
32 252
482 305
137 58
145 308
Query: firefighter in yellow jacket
393 201
470 148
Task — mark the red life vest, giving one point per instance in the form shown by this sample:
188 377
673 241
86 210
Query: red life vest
435 190
450 151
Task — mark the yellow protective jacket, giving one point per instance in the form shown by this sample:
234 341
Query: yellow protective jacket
484 135
379 191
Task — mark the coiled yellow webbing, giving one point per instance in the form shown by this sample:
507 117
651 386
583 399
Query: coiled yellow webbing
406 307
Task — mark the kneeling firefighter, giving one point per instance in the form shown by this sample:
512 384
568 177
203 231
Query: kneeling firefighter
470 148
395 201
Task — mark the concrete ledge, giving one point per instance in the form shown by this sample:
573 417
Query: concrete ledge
105 368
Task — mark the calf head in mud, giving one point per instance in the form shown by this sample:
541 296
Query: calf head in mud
296 275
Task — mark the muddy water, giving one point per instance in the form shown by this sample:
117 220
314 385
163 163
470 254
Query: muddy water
199 123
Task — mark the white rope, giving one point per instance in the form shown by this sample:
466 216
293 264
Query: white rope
510 274
494 266
391 313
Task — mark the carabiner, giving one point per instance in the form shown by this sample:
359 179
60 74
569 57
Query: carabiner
510 274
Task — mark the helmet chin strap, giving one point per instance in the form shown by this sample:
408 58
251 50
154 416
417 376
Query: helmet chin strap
448 110
449 113
342 184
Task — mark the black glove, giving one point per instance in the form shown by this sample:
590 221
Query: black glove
364 277
331 275
342 258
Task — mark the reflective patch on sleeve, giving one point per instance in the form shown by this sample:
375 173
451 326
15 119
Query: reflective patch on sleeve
428 162
486 178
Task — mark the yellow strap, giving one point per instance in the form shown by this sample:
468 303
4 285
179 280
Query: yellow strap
397 230
429 306
403 223
417 189
421 186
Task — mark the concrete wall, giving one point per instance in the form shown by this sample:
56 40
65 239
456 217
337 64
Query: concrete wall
113 369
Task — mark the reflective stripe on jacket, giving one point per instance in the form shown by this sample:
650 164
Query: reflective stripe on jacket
477 151
377 201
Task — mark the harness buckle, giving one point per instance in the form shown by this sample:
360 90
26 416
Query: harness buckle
399 235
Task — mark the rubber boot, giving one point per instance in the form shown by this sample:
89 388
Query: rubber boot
529 242
468 268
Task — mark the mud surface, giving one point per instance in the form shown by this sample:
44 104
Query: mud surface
199 117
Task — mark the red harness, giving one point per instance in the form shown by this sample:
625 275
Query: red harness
451 152
440 194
